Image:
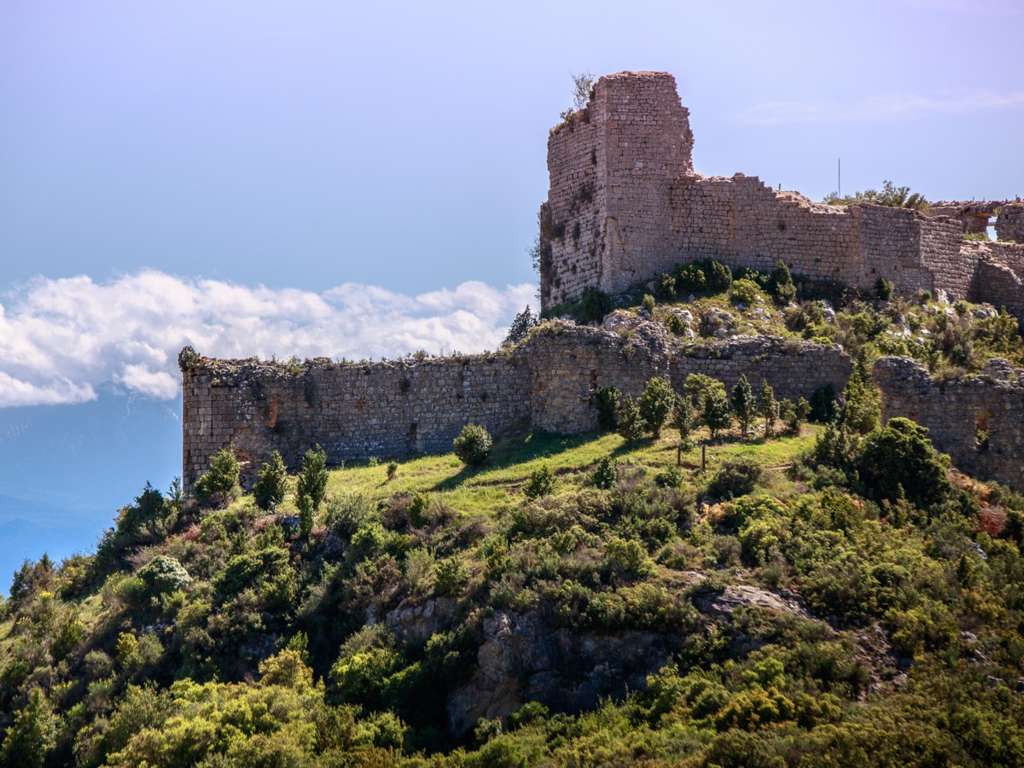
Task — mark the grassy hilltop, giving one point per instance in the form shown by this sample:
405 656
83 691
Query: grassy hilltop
821 593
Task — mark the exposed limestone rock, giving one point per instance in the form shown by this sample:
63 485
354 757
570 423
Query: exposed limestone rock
717 323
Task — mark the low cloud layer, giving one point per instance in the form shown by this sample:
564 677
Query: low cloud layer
61 340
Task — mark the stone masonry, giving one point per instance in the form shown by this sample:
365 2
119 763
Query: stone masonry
625 204
977 420
403 408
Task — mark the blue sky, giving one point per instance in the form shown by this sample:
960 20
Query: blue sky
358 179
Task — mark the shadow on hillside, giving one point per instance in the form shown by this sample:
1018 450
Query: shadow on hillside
518 450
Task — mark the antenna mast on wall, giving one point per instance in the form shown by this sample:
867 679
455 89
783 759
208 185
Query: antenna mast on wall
839 177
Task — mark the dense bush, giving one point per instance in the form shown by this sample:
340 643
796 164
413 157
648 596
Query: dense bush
736 477
899 461
604 474
473 445
824 407
744 292
541 483
219 484
655 404
271 483
780 284
632 424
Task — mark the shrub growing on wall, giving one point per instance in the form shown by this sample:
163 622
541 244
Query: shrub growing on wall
473 445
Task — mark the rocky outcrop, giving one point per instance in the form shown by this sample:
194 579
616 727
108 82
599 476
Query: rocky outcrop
523 658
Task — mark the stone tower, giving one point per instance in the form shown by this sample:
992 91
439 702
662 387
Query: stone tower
612 166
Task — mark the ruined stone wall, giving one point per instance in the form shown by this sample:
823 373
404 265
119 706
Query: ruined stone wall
651 211
611 166
977 420
744 223
1010 223
397 409
648 146
573 219
353 411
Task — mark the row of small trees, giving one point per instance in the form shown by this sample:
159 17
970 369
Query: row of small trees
219 486
704 402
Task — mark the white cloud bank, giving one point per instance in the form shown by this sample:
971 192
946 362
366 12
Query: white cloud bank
62 339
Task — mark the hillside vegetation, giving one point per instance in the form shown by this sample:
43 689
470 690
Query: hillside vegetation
711 580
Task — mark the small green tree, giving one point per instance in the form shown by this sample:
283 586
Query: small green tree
794 414
473 445
648 304
682 420
656 403
632 425
697 385
218 486
768 408
520 328
271 483
605 473
541 483
862 406
715 411
311 487
682 417
606 400
744 405
781 284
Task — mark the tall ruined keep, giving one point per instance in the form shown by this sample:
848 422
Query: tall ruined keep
625 204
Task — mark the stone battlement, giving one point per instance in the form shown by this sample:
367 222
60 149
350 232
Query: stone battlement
403 408
625 204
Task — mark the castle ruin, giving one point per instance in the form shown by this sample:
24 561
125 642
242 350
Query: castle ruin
625 204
